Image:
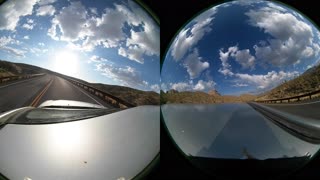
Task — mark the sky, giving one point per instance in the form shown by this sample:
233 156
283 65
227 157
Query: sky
241 47
111 42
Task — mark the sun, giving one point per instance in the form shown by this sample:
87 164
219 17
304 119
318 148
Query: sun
66 62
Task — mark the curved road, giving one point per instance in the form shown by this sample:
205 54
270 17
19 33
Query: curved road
307 110
301 120
34 91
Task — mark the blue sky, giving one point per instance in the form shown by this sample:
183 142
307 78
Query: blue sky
240 47
111 42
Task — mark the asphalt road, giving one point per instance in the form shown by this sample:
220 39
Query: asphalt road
301 120
34 91
308 109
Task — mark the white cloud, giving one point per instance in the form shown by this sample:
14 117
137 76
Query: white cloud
94 11
84 30
276 7
71 21
41 44
103 33
155 87
201 85
38 51
46 2
27 26
14 51
243 57
226 72
245 2
293 38
316 49
269 80
98 59
240 85
164 87
11 11
47 10
144 42
181 86
126 76
224 56
4 40
226 67
194 64
309 66
133 52
30 21
189 37
307 52
26 37
7 40
145 83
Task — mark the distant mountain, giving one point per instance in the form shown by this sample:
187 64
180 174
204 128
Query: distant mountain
307 82
134 96
198 97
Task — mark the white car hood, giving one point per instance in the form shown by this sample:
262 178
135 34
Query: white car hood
69 103
115 146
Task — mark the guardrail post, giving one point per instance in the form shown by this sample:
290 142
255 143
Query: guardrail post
114 101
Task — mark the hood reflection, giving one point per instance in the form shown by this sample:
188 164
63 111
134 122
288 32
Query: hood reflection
67 141
230 131
105 147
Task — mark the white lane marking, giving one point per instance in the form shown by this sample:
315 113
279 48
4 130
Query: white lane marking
16 83
296 103
86 93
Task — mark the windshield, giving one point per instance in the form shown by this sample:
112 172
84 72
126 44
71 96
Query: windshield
80 51
89 62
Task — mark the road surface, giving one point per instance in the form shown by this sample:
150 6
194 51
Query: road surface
307 110
34 91
300 119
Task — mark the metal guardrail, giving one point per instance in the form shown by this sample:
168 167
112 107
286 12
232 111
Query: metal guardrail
113 100
12 78
288 99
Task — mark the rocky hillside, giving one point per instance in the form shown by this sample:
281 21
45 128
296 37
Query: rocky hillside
212 96
309 81
12 69
134 96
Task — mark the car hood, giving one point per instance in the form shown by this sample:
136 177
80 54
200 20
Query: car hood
115 146
68 103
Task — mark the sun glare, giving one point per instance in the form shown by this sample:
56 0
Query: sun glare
66 62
